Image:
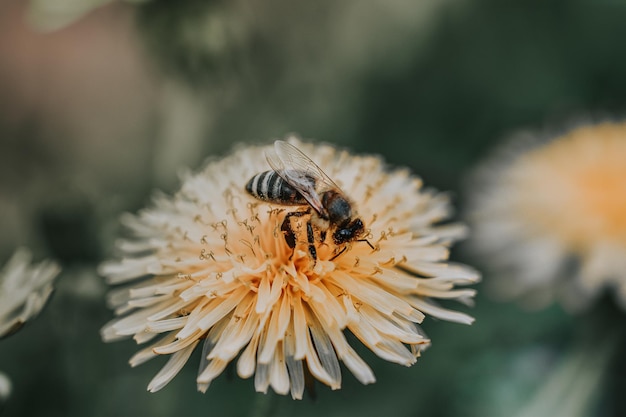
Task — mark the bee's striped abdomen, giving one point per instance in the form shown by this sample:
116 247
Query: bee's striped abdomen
270 186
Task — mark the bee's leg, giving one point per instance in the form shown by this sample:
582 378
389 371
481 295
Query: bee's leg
290 236
311 239
340 252
346 247
287 230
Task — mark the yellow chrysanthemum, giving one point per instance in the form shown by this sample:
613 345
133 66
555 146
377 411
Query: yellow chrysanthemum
552 219
215 269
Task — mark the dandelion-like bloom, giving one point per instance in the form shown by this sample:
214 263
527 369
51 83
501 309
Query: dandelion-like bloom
24 290
550 216
216 270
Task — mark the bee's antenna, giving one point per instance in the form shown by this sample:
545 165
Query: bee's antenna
368 242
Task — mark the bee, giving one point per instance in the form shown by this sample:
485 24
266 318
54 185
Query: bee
295 180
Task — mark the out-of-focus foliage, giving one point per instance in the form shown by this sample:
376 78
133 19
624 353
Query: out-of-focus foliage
277 66
97 114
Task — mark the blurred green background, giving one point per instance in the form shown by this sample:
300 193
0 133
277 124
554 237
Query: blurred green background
102 103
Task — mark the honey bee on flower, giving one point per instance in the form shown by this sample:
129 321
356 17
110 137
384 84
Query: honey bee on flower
270 266
297 181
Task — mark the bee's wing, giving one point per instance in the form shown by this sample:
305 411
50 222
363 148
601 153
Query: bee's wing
296 160
299 170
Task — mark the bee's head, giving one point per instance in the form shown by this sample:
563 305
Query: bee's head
350 232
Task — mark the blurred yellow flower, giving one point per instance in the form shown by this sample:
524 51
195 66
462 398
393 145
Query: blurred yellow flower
551 218
213 268
24 290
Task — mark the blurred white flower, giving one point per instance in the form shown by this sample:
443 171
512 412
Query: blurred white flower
550 216
5 387
24 290
210 265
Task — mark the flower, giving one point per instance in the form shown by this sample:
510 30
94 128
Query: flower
550 216
215 269
24 290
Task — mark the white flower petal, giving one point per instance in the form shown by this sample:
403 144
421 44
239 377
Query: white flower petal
171 368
